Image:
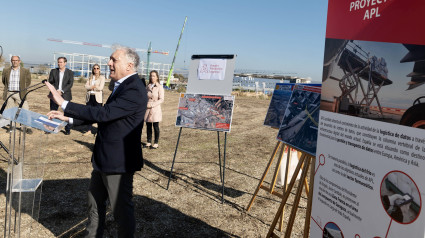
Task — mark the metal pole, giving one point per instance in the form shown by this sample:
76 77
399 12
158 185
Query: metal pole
175 54
224 166
6 217
21 149
174 158
54 60
12 156
148 59
219 155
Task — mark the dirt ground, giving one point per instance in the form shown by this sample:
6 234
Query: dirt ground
191 207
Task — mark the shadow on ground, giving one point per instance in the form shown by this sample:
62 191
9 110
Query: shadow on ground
64 204
228 192
90 146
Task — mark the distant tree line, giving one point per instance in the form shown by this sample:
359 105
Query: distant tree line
181 78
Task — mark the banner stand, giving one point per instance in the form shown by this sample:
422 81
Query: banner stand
222 171
272 187
306 160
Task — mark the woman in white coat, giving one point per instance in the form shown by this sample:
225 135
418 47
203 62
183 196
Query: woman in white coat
153 112
94 87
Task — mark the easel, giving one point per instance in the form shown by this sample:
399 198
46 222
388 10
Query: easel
271 189
306 160
222 87
222 171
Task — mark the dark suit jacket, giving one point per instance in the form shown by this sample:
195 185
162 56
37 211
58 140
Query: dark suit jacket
24 81
118 146
67 82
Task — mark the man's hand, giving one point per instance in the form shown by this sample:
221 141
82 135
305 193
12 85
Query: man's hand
59 91
55 96
58 115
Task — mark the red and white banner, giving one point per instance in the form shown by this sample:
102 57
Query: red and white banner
370 162
397 21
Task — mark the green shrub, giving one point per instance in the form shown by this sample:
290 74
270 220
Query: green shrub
81 79
181 88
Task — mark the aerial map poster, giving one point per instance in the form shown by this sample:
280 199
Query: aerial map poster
370 158
301 118
207 112
281 95
277 107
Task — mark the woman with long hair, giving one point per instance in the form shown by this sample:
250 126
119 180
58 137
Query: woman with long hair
94 87
153 112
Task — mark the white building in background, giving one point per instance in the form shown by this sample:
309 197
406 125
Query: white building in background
81 64
303 80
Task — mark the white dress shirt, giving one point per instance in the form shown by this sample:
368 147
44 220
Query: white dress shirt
61 73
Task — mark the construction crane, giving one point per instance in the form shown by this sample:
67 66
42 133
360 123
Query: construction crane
105 46
148 51
170 73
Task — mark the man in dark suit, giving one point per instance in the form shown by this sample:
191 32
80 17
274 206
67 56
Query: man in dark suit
117 152
62 79
15 79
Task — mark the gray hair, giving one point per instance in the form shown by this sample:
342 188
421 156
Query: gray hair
130 54
19 57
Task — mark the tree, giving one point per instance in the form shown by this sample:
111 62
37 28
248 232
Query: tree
181 78
4 63
43 68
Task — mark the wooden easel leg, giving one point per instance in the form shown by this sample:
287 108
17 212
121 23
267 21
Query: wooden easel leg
310 199
278 144
276 171
297 199
286 196
305 181
288 162
306 187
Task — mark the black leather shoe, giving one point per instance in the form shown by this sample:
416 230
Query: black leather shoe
29 131
67 132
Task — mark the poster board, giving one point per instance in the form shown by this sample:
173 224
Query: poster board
211 74
277 107
301 118
206 112
281 95
369 179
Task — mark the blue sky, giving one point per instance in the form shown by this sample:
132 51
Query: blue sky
281 35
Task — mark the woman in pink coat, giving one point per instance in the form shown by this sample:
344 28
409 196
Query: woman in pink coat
153 112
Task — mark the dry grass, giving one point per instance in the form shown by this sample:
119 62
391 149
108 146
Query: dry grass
192 205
